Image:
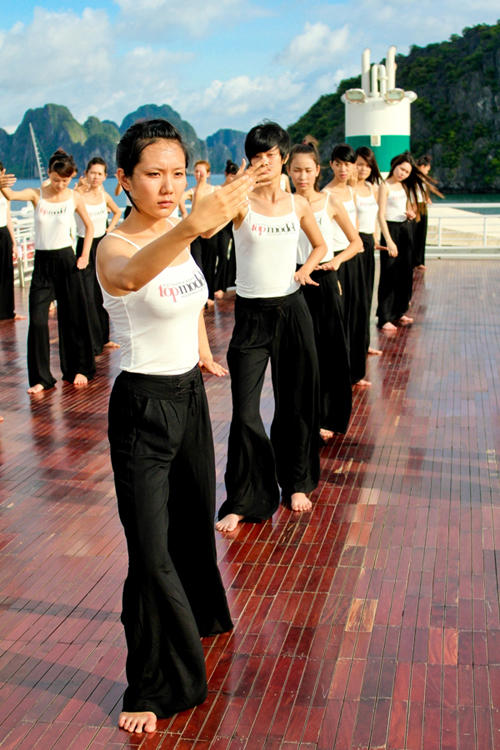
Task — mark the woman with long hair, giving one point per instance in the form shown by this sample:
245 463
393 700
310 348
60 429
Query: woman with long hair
55 276
424 163
398 206
366 185
351 273
98 204
159 426
325 302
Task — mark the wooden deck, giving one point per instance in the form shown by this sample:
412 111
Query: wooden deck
372 622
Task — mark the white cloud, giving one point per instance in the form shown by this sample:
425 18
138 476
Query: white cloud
317 47
162 18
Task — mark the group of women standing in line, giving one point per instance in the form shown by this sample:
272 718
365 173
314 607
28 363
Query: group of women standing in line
61 275
303 296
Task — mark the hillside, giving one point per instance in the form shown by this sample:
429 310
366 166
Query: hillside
55 127
456 117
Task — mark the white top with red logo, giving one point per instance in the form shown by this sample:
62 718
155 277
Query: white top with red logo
266 255
157 326
53 224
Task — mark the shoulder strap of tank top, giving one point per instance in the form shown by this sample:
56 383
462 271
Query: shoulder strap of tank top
351 191
293 203
121 237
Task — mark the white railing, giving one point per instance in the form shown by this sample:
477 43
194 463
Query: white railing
24 253
451 228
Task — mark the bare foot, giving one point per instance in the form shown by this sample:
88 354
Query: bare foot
404 319
80 379
111 345
300 502
376 352
38 388
421 268
389 327
219 294
210 303
52 307
229 522
1 418
19 317
137 721
325 435
365 383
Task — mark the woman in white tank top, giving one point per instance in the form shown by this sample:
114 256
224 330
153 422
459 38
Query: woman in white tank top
159 427
356 310
396 266
272 323
7 244
368 178
54 277
98 204
325 303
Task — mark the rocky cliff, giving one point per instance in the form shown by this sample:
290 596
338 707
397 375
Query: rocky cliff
456 118
55 127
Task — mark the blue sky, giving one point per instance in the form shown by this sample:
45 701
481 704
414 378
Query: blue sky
219 63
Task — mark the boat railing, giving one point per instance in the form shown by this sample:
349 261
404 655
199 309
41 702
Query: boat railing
463 229
24 252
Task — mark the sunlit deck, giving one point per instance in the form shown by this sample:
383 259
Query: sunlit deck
372 622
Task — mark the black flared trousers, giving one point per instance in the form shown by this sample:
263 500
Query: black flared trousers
280 330
355 306
98 317
396 274
163 462
368 260
56 276
325 305
6 275
420 240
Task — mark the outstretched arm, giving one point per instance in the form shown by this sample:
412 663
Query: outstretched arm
29 194
340 215
121 273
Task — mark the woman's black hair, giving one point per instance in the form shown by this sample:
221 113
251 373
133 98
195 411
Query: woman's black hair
375 178
416 182
309 147
265 136
98 160
231 167
343 152
62 163
137 137
142 134
424 161
1 166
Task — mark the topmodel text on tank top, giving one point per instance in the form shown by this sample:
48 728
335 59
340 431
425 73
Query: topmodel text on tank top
183 289
286 228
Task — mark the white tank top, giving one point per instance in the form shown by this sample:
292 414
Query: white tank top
395 209
157 327
340 241
326 226
3 210
367 212
53 224
266 255
98 215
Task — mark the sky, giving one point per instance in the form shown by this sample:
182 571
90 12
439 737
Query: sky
219 63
